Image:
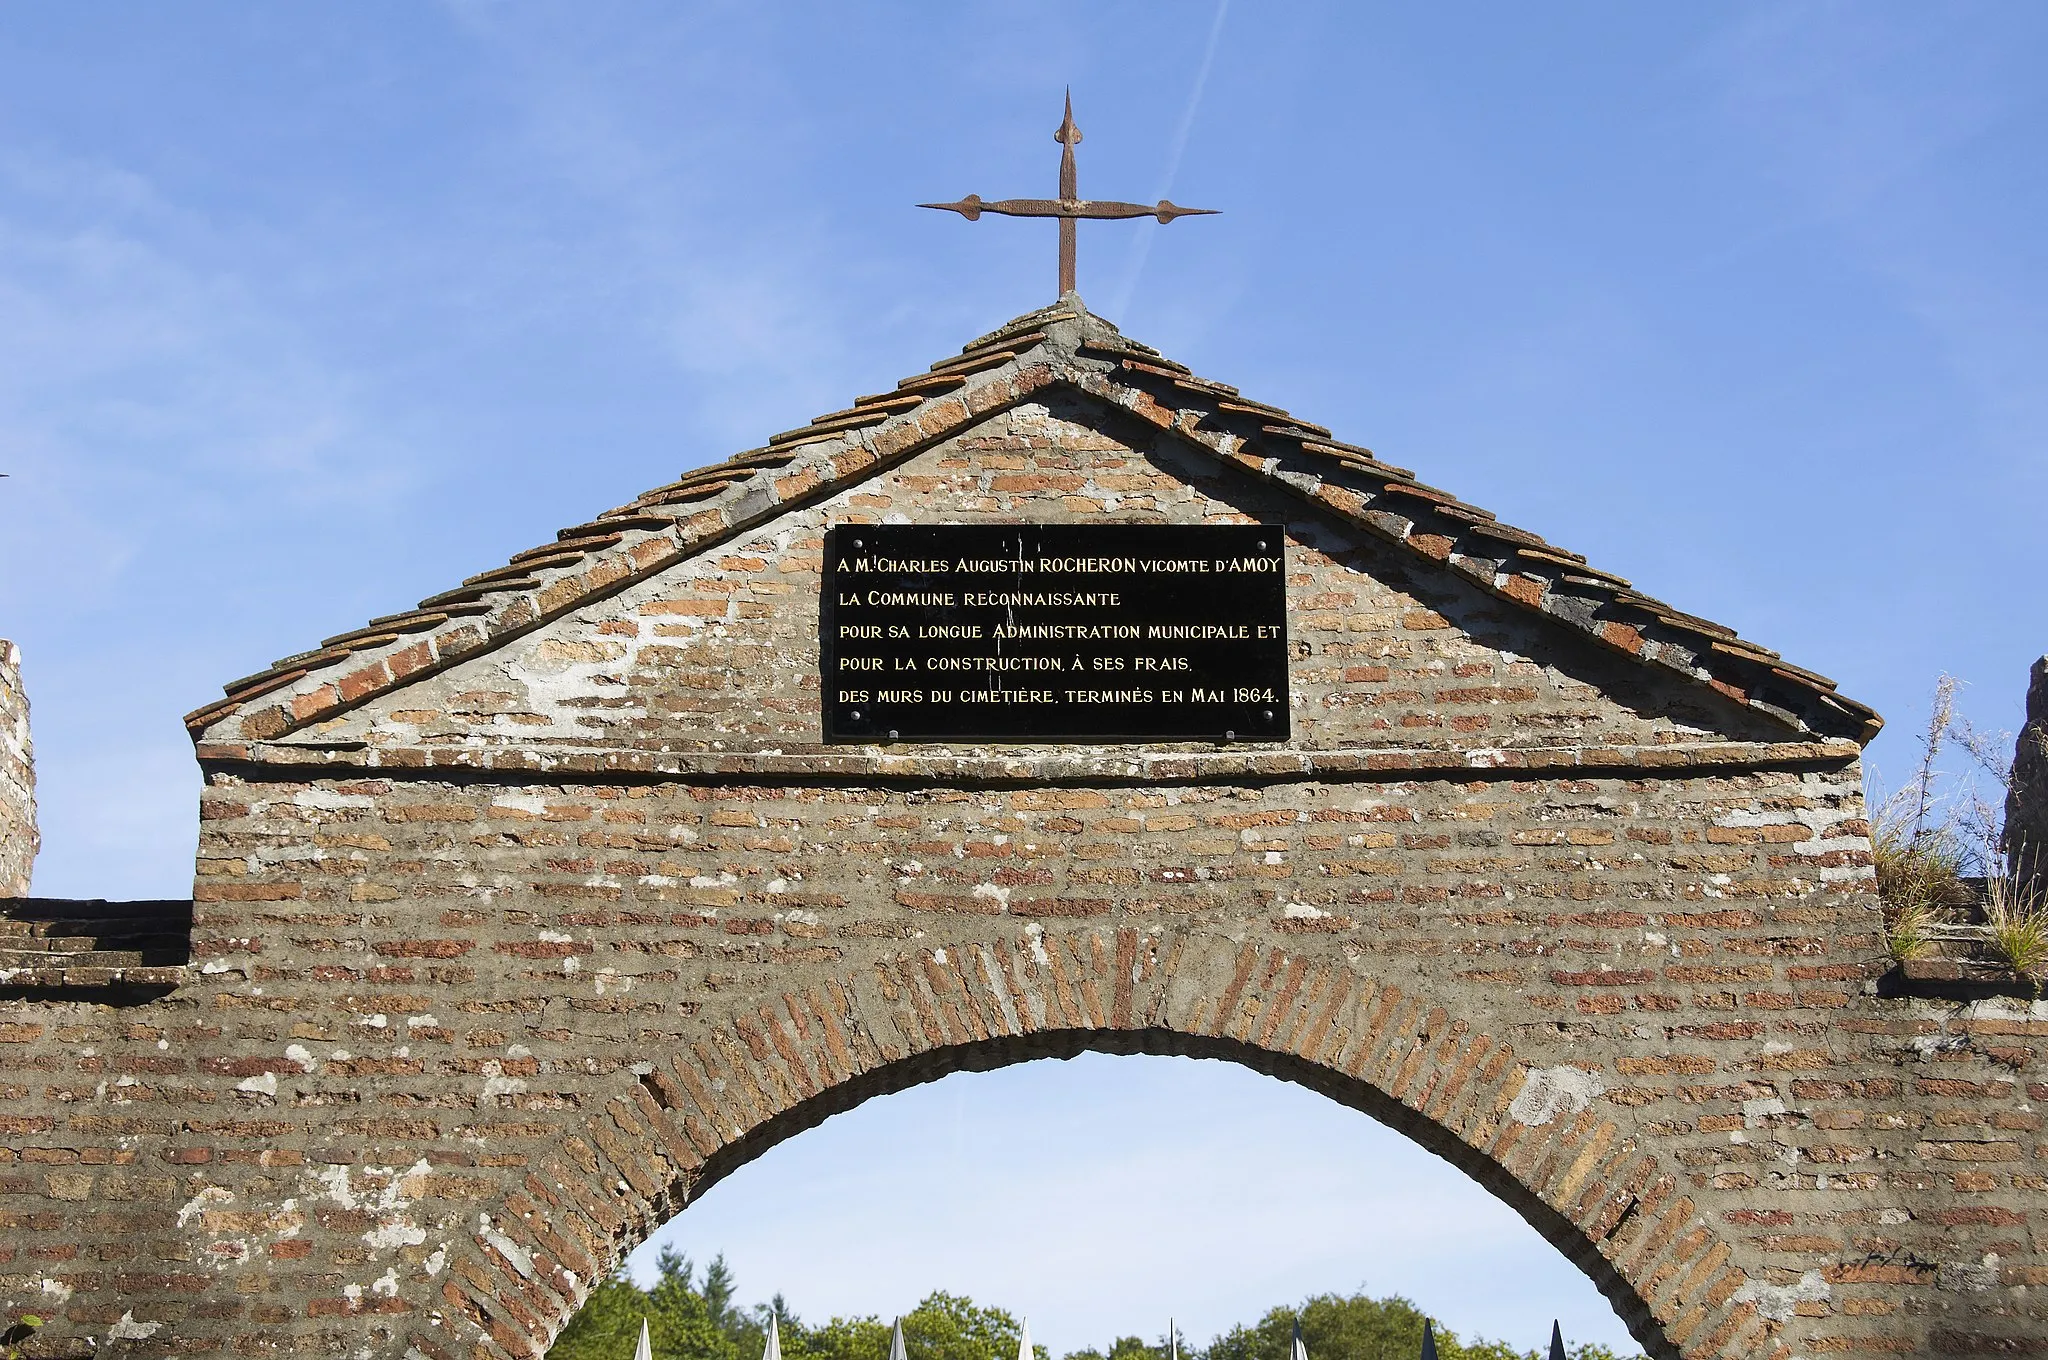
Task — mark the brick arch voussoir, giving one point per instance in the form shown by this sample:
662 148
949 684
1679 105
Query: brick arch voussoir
770 1068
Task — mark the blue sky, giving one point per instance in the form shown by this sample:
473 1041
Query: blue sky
308 312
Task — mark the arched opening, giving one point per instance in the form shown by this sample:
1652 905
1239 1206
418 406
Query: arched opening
1087 1196
1604 1185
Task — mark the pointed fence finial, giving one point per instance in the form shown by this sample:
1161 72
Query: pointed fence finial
645 1349
1024 1351
773 1350
1172 1341
1556 1341
1300 1351
896 1351
1428 1340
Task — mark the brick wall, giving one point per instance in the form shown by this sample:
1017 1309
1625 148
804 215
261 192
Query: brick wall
19 839
495 971
720 653
452 1049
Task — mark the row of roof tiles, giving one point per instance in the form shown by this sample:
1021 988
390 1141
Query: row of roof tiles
1062 343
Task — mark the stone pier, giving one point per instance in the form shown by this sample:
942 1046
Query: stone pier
18 836
2026 804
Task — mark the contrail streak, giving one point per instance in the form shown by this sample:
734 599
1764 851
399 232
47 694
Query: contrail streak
1141 246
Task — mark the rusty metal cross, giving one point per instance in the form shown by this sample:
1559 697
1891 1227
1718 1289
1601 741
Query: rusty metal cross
1069 207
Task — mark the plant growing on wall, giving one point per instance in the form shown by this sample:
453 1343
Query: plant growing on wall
1938 845
12 1340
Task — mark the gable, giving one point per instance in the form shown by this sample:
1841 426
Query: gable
686 619
718 654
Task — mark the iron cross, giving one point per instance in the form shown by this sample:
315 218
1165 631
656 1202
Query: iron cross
1069 207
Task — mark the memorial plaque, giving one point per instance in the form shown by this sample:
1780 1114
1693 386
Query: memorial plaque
1054 632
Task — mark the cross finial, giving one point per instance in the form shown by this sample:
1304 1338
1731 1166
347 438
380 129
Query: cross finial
1069 207
1067 134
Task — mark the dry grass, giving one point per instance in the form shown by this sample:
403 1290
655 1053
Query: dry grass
1909 932
1939 830
2018 916
1919 878
1916 867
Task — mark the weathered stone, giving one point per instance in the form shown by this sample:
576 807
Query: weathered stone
19 838
2026 805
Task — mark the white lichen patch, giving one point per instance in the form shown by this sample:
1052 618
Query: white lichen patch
1552 1092
335 1180
327 800
1971 1277
393 1233
1779 1302
520 1257
199 1203
496 1084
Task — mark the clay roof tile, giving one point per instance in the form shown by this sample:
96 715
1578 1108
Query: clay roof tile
716 501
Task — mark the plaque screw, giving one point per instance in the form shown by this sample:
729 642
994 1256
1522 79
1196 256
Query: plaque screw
854 715
1230 736
1269 715
892 734
1262 545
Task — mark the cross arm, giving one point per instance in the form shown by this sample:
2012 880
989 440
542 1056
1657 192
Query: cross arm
973 206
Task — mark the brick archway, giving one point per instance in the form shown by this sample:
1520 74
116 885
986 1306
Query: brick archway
769 1072
522 915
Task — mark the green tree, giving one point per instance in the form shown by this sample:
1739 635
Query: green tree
947 1327
686 1319
1334 1327
943 1327
717 1290
607 1326
1135 1348
1359 1327
864 1338
693 1318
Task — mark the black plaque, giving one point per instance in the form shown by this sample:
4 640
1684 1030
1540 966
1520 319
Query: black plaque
1054 632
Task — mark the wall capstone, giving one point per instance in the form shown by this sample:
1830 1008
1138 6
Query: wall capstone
18 837
2026 805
